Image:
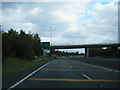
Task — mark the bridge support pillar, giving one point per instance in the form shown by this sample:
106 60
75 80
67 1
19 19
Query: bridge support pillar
87 52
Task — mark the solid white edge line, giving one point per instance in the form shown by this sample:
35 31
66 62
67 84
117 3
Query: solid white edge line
87 77
13 86
101 67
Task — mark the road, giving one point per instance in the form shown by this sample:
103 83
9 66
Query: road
68 73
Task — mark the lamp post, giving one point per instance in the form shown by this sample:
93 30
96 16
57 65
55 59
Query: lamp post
50 41
1 28
50 36
0 25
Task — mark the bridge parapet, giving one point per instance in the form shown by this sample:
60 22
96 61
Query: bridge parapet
85 46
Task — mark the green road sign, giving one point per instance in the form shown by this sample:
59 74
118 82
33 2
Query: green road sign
45 45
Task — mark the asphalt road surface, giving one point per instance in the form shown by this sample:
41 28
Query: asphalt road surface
68 73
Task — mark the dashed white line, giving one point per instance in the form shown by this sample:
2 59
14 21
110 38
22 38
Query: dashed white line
16 84
87 77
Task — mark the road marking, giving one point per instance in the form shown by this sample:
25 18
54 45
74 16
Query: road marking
81 80
101 67
71 70
61 69
68 66
87 77
101 85
16 84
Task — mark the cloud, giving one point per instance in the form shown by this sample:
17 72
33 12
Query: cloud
71 22
101 26
104 22
35 11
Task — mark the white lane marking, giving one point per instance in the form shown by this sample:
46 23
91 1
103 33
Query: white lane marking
87 77
101 67
13 86
101 85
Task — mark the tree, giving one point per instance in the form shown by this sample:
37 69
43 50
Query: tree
109 52
77 53
36 45
20 45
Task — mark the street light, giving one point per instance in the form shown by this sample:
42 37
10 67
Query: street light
0 25
50 41
50 36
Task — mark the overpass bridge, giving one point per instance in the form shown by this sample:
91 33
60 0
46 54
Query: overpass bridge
86 46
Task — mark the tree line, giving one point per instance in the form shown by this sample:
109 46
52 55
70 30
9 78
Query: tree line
20 45
108 52
63 53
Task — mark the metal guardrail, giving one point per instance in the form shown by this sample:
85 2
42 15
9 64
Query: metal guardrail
84 44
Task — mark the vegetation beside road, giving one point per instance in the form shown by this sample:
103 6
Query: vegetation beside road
19 49
108 52
15 65
21 45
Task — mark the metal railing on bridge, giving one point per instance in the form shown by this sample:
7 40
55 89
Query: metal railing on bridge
67 44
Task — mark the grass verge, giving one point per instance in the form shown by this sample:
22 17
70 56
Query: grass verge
15 65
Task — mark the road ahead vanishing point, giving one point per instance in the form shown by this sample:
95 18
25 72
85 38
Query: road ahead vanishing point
68 73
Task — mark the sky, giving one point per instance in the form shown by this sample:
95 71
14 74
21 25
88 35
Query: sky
71 22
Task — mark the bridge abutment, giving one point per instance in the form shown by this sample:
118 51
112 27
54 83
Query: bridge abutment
87 52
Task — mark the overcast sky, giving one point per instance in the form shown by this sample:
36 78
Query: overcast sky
71 22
